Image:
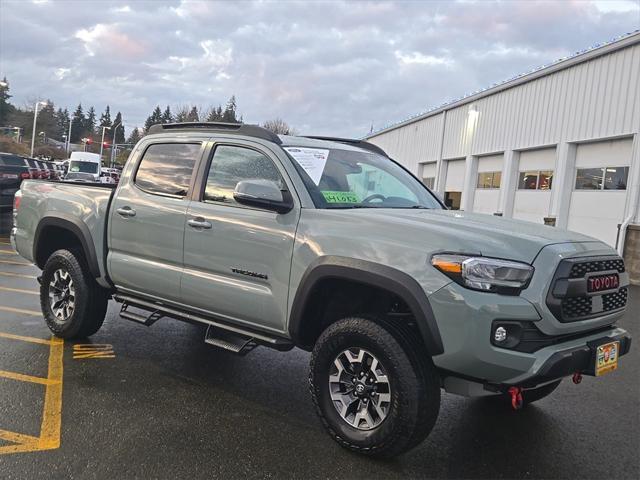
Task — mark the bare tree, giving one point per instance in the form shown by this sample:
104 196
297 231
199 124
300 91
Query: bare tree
279 127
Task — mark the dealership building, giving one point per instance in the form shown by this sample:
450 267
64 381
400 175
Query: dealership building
559 145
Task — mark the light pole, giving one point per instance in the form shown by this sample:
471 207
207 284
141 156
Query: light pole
35 117
102 141
66 147
113 143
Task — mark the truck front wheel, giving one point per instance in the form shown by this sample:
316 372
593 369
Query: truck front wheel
73 304
375 390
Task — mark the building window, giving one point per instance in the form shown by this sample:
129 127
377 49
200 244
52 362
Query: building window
606 178
535 180
489 179
429 182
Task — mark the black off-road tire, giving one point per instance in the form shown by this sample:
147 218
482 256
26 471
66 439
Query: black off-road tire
90 299
415 385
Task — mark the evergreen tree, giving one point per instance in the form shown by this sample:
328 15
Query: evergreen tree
47 121
90 123
78 127
155 117
193 115
105 118
215 115
229 114
134 137
166 116
62 122
182 112
6 109
118 133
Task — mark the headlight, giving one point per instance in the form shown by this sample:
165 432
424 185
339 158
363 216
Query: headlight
482 273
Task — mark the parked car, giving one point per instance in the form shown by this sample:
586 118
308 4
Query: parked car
13 170
328 245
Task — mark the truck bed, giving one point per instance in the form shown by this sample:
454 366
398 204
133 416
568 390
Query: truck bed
84 205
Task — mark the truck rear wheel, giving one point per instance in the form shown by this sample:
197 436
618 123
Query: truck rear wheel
73 304
374 389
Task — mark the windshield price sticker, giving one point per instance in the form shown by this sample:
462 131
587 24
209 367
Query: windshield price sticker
312 160
340 197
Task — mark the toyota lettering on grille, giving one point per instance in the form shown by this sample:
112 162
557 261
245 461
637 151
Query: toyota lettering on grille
601 283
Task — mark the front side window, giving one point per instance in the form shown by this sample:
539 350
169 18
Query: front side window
232 164
356 179
166 168
605 178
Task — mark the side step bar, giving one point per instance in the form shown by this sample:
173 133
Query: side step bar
230 337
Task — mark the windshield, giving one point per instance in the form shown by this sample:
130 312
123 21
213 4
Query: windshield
83 167
356 179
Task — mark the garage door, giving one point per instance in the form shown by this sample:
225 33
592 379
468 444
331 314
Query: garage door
454 182
488 182
600 188
535 180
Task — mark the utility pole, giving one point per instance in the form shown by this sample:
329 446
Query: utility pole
35 117
66 148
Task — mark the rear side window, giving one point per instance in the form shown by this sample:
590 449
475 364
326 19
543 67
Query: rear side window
12 161
166 168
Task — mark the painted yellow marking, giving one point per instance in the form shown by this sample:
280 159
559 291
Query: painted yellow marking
21 275
93 351
20 310
41 341
11 262
19 290
25 378
5 243
8 252
52 412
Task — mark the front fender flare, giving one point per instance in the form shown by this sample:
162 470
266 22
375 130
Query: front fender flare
368 273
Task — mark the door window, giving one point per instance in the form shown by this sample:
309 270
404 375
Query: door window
232 164
166 168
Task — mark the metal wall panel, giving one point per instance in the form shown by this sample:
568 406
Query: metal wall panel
598 98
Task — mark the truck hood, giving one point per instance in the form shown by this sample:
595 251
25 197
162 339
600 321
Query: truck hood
472 233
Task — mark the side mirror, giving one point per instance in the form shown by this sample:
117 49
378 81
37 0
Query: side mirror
263 194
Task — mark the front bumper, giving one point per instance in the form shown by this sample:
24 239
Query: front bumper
465 319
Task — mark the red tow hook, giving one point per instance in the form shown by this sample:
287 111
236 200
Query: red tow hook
577 378
516 397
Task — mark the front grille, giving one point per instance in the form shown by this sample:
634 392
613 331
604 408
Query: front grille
579 270
613 301
568 299
576 307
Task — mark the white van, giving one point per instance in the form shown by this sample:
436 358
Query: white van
85 162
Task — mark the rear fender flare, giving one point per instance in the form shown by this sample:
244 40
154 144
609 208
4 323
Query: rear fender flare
77 228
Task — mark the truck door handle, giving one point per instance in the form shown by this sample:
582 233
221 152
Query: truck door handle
126 212
199 222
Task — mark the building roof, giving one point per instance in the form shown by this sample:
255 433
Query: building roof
581 56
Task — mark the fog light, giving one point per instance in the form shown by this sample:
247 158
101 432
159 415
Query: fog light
500 335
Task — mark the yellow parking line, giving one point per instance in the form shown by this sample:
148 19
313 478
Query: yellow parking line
26 378
11 336
8 252
17 437
21 275
11 262
20 290
20 310
5 243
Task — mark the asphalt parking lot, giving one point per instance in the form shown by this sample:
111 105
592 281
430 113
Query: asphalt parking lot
138 402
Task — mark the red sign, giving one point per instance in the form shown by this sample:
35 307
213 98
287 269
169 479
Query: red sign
603 282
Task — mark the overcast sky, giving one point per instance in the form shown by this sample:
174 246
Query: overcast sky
324 67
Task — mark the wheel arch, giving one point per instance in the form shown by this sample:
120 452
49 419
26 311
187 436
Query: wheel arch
57 223
367 274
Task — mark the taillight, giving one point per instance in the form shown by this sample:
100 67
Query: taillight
16 201
25 175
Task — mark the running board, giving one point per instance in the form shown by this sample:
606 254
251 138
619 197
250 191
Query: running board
217 333
230 341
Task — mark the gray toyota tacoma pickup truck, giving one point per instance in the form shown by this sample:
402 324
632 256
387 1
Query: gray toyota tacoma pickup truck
328 245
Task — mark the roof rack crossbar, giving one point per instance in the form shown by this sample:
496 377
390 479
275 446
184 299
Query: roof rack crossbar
352 141
235 128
